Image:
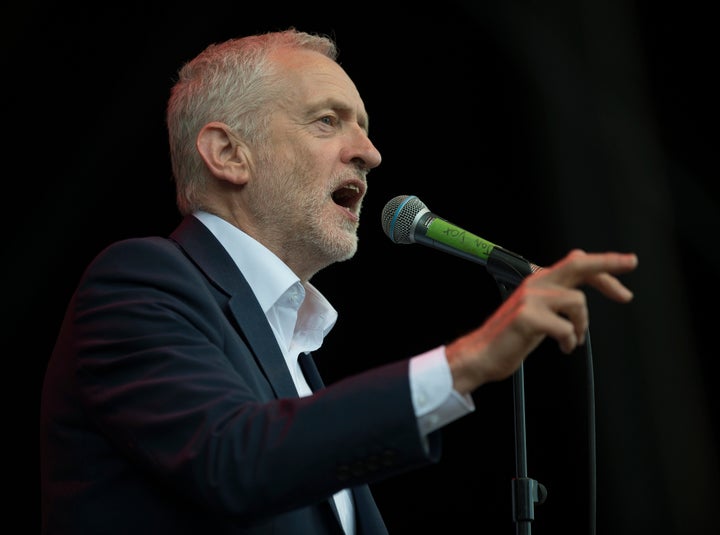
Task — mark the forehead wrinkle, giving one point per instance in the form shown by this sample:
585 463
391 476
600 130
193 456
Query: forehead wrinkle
323 83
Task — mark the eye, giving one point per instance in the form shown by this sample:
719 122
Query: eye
329 120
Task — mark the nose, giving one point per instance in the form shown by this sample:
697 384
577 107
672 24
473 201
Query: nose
361 151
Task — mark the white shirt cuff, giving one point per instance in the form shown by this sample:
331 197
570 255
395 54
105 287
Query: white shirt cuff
435 401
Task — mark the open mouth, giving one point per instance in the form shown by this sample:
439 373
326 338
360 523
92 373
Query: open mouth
349 195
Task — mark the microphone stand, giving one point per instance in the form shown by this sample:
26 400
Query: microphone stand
525 490
508 270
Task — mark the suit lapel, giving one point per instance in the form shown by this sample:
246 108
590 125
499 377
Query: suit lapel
249 319
369 519
310 371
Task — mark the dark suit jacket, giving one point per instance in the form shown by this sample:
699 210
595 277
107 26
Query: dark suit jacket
167 407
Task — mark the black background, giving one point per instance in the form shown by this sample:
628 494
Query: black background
538 127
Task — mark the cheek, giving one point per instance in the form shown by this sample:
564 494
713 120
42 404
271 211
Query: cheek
305 167
313 167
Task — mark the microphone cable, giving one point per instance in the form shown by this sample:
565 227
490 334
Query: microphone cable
592 436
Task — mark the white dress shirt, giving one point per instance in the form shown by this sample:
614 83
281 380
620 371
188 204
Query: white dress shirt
301 317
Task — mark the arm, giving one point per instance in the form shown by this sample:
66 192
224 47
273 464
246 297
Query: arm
179 394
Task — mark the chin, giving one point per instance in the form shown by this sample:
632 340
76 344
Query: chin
345 248
347 256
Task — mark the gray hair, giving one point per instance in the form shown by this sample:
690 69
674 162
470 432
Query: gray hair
231 82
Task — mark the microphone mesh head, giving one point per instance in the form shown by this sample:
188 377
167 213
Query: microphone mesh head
399 215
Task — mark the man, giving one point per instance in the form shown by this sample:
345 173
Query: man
181 396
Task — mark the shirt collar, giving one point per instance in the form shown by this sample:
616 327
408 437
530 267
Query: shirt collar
268 276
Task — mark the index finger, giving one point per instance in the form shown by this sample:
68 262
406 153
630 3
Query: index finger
597 270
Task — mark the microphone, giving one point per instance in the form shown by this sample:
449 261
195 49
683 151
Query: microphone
406 219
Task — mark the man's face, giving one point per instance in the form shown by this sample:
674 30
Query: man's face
310 177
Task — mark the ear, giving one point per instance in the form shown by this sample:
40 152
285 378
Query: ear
224 153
